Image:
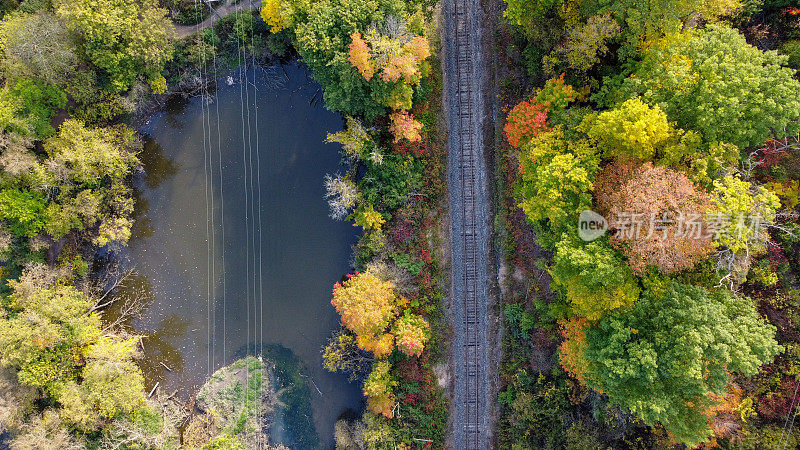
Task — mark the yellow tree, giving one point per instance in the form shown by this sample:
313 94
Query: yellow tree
378 389
271 13
632 130
367 305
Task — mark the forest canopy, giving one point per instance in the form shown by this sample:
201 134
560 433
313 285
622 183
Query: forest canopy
679 129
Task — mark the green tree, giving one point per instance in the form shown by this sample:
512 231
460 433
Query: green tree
594 278
588 21
54 341
43 339
583 47
701 162
37 46
38 102
92 164
387 184
355 140
556 178
111 382
27 107
23 212
676 345
525 13
714 82
124 38
645 21
88 155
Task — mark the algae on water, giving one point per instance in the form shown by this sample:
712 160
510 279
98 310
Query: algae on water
236 408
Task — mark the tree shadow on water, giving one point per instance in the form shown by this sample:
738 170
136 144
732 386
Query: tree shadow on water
134 296
157 167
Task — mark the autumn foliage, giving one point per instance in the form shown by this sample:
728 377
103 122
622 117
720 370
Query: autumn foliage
525 122
649 209
378 389
271 14
419 48
359 56
394 57
556 94
686 142
404 126
399 62
529 118
369 307
366 305
381 346
571 352
727 411
411 331
633 130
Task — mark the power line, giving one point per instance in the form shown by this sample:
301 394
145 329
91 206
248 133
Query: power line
201 69
221 210
246 218
260 311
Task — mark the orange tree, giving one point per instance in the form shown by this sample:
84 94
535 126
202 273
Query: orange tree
369 307
650 208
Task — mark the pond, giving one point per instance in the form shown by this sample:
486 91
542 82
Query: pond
258 243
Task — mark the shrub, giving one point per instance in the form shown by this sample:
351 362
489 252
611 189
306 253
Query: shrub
412 332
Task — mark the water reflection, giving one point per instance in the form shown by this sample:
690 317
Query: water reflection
134 296
159 167
274 286
142 225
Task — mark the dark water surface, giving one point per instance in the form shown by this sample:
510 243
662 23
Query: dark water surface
303 252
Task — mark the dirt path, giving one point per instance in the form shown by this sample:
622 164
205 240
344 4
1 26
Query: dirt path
185 30
470 226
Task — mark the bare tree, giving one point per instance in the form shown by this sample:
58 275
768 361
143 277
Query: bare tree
342 195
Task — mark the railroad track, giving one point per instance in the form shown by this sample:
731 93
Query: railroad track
469 228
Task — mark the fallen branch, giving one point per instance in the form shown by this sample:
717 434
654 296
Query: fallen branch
311 380
100 304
